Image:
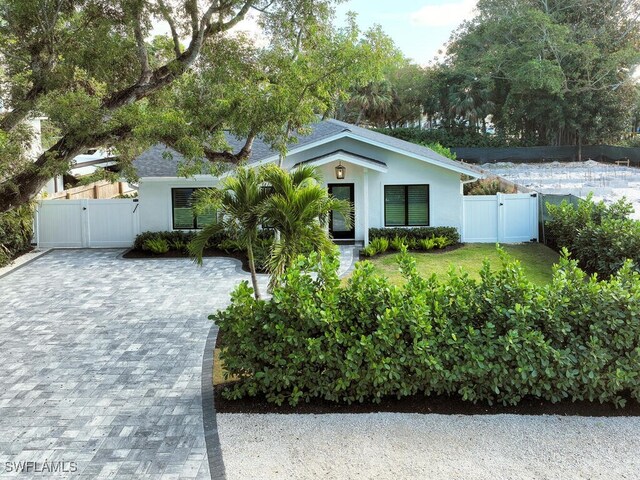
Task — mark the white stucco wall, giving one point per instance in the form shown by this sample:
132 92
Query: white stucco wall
445 196
154 196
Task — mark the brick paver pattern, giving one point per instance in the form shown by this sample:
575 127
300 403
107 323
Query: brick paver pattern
101 362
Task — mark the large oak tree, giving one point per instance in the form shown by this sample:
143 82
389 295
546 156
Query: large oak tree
95 70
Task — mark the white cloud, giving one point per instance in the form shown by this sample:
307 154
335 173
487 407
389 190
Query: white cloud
450 14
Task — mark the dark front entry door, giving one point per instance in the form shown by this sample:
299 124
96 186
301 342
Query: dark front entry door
337 224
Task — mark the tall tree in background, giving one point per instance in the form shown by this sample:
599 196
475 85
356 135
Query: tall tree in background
394 101
561 70
89 66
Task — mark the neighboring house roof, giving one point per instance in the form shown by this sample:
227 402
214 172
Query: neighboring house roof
152 162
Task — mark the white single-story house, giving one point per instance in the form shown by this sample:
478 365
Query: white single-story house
391 182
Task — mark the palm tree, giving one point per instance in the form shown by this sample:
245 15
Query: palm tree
372 101
238 201
471 102
298 207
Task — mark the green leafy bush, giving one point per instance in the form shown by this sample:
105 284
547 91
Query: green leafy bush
444 151
380 244
398 243
442 242
600 237
262 252
369 251
419 238
427 243
177 240
415 233
229 245
156 245
499 339
16 232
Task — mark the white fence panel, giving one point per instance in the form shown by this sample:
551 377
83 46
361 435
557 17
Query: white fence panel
504 218
112 223
480 219
87 223
519 218
59 223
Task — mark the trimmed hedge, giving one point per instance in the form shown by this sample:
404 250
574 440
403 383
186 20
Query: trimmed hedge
600 237
499 339
16 232
178 240
415 233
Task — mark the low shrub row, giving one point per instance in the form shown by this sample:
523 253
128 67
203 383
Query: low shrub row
599 237
16 232
162 242
415 233
382 244
415 239
159 243
499 339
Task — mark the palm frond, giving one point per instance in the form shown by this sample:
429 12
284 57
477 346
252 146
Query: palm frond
199 242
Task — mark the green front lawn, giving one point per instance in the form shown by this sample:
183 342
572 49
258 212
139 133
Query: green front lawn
536 259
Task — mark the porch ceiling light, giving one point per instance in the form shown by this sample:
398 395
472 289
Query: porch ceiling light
340 171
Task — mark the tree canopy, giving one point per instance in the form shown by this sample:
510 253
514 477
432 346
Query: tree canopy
558 72
545 72
95 70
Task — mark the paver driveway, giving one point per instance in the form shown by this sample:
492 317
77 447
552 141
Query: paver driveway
101 362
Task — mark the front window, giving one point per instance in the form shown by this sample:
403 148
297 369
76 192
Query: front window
183 215
406 205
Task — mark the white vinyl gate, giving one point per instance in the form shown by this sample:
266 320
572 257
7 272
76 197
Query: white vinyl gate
504 218
87 223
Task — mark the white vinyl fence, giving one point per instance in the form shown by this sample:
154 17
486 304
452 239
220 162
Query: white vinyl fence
504 218
87 223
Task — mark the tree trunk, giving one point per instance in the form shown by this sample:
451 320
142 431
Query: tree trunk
22 187
252 269
579 147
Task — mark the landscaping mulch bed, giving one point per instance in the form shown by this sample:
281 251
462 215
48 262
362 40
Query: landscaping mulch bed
209 252
444 405
420 404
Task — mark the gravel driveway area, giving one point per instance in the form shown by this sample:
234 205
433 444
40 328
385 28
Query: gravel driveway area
412 446
102 363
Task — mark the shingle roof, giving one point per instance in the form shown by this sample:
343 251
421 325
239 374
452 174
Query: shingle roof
152 162
155 163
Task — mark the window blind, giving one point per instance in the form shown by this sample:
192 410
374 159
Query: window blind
406 205
183 216
418 204
394 205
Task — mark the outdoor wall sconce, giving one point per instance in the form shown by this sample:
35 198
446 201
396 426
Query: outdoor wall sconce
340 172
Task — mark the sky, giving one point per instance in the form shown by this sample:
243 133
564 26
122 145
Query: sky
418 27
